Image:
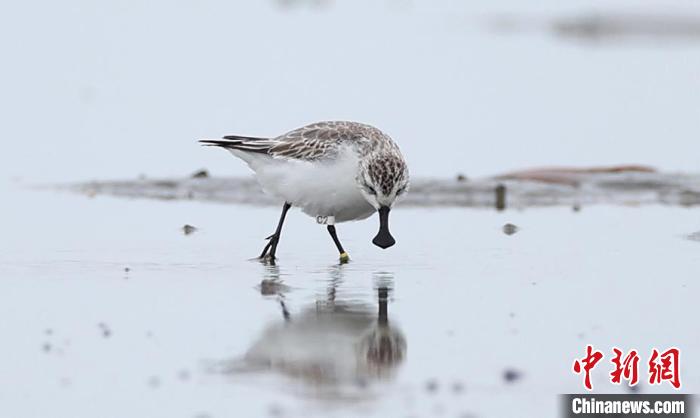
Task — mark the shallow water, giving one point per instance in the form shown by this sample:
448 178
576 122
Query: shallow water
194 328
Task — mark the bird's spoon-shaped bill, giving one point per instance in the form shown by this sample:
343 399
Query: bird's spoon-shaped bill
383 239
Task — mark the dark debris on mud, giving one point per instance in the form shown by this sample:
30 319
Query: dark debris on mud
510 229
574 188
105 330
512 375
189 229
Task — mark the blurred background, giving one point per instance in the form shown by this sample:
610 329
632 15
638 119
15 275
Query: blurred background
117 89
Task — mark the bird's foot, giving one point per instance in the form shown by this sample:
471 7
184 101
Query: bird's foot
267 259
344 257
271 245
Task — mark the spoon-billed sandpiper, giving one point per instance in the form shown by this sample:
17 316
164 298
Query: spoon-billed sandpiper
334 171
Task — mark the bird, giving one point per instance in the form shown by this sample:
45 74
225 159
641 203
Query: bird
334 171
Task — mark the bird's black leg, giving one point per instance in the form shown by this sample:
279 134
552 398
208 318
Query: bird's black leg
344 257
274 239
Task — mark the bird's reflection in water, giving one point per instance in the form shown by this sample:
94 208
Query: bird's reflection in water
272 284
333 342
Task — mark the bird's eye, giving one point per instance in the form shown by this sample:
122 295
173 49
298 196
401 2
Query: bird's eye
370 189
401 190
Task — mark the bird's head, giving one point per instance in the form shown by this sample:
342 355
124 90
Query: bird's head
382 179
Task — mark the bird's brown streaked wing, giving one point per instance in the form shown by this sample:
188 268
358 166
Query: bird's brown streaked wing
318 141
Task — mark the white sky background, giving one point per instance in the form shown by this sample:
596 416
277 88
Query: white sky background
113 90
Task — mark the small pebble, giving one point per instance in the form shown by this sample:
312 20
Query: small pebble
461 177
510 229
201 174
189 229
106 332
511 375
127 269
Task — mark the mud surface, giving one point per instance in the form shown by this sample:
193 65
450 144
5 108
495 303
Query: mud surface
531 188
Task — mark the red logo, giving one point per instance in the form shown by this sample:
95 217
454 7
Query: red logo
627 368
665 367
662 366
592 358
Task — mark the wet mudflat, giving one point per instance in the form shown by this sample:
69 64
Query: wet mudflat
115 311
621 185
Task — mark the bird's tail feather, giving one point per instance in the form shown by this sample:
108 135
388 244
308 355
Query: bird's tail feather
243 143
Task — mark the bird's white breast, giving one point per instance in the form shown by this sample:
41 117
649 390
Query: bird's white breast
319 188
